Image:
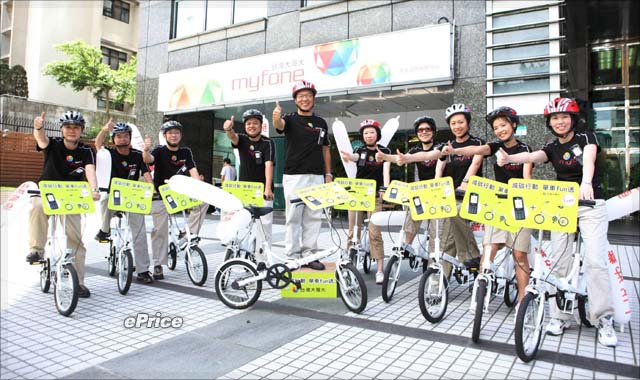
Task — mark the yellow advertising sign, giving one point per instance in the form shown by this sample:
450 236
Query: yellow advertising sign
397 192
362 194
313 284
66 197
325 195
432 199
481 204
176 202
130 196
250 193
544 205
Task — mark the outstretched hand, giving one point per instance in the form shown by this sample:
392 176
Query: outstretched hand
401 159
502 157
147 143
38 122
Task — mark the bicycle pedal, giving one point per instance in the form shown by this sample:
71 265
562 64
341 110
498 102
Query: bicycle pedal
297 283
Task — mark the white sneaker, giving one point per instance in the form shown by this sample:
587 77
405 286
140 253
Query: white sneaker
557 326
606 333
379 277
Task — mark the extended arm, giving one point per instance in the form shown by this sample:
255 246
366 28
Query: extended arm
38 132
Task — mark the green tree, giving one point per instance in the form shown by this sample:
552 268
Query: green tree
86 71
13 80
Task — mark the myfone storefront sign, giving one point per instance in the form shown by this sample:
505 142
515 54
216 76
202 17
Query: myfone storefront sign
405 57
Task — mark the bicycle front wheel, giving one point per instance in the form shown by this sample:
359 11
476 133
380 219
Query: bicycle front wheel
511 292
197 267
112 259
125 271
352 288
481 293
583 310
432 295
391 274
529 326
65 293
227 288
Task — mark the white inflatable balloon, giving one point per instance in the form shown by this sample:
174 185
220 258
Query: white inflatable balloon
388 218
232 224
619 295
205 192
623 204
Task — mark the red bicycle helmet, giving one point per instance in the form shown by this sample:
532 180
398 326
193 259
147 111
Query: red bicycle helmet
303 85
368 123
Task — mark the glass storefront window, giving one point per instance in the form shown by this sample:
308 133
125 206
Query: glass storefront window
523 68
520 85
219 14
607 119
529 51
606 66
249 10
608 98
521 35
634 65
520 18
189 18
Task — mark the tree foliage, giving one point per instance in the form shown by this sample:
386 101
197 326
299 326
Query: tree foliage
86 71
13 80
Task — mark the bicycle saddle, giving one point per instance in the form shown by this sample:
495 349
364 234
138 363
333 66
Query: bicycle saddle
118 214
257 212
472 264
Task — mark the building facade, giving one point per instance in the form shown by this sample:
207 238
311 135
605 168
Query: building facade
202 61
30 30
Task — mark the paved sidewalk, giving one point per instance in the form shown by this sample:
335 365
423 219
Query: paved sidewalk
278 338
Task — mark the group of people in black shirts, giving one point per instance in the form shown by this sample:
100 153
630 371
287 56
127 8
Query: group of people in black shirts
308 162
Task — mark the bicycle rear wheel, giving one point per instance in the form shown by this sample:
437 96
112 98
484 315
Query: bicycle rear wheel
391 275
432 295
366 262
511 292
352 288
227 288
125 271
583 310
112 259
529 327
65 293
172 258
45 276
197 267
481 293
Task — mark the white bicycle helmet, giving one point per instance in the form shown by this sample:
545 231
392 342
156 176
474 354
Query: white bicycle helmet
456 109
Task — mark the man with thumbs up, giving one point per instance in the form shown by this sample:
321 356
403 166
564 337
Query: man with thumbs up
307 162
66 158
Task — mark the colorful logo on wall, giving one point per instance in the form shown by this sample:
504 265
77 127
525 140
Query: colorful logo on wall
212 93
337 57
374 73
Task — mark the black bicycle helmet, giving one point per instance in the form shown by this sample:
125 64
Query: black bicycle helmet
171 124
252 113
424 119
503 111
72 118
121 128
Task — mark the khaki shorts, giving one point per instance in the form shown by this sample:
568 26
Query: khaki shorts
494 235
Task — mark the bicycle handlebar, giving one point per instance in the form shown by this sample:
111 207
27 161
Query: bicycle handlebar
33 191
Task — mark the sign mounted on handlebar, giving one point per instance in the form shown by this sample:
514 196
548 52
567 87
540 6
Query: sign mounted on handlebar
432 199
130 196
362 194
482 203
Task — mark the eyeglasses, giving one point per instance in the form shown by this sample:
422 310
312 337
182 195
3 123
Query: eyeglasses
424 130
304 96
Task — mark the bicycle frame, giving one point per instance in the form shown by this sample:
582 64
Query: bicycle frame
574 284
292 264
59 253
360 245
122 232
493 272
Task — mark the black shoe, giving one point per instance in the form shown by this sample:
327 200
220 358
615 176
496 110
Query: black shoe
103 237
34 257
145 277
157 272
83 292
316 265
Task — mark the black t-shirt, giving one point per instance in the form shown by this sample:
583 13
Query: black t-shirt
458 166
568 166
304 136
62 164
368 167
253 155
129 166
510 170
426 169
168 163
